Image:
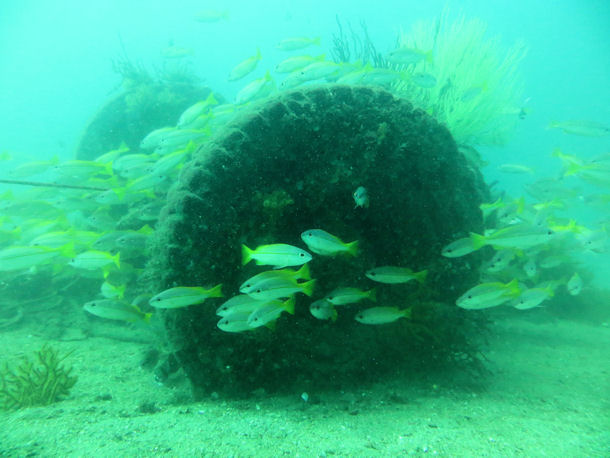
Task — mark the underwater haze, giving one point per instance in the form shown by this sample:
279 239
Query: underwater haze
305 228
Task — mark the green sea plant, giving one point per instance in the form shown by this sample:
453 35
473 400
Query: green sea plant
38 380
477 91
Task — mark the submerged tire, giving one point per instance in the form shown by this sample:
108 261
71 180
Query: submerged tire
290 164
132 114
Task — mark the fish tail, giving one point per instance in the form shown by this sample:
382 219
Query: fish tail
216 291
352 248
67 250
307 287
407 312
146 318
372 295
421 276
303 273
246 255
573 169
334 315
478 240
429 56
121 291
512 288
520 205
146 230
117 260
316 41
289 305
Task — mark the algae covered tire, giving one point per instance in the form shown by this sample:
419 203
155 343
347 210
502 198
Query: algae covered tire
292 163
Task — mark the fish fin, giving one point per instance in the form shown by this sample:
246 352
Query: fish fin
211 100
372 295
120 192
289 305
352 248
553 125
216 291
246 255
478 240
513 288
334 316
117 260
421 276
303 273
572 169
520 205
271 325
146 318
107 170
146 229
429 56
67 250
307 287
557 151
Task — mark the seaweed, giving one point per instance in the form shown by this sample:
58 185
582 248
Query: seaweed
39 380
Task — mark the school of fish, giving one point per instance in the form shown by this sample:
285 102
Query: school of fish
96 225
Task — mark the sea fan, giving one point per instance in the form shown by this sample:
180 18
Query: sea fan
478 90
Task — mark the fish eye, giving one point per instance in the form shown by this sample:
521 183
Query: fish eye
258 290
373 274
302 255
469 297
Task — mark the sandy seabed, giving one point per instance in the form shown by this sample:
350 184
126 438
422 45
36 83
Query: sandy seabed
548 395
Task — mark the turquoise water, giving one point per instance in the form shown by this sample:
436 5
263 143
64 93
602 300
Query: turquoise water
59 78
